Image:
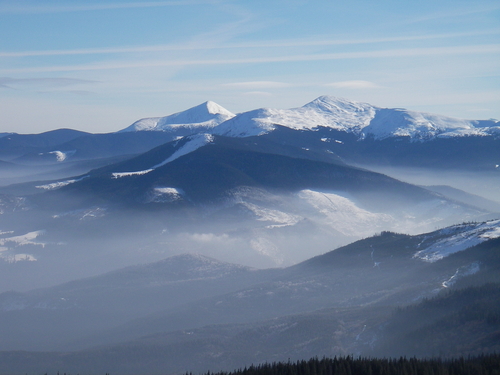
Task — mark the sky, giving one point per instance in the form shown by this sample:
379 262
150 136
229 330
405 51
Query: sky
98 66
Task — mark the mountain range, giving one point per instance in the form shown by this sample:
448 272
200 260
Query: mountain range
207 234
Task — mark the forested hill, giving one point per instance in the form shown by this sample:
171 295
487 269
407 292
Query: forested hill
481 365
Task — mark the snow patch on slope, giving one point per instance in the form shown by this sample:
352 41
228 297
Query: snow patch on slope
59 184
61 156
343 215
116 175
164 195
278 218
458 238
461 272
193 143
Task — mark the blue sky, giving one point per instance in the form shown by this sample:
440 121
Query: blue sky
100 65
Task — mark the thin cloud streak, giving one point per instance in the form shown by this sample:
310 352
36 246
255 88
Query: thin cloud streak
257 93
271 44
356 84
256 85
52 82
97 7
454 14
394 53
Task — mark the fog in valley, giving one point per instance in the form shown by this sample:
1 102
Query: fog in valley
237 250
483 183
253 227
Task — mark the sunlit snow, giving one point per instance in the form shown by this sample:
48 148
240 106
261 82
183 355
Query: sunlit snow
164 195
61 156
343 215
278 218
325 111
128 174
359 118
464 236
203 116
193 143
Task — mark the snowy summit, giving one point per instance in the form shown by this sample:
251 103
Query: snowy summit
359 118
362 119
202 117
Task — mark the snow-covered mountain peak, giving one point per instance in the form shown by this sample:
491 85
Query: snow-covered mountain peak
326 111
204 112
214 109
327 103
332 112
246 124
202 117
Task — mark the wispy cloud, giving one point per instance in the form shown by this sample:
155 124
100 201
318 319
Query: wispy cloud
391 53
29 8
258 44
42 82
257 93
256 85
356 84
65 92
456 13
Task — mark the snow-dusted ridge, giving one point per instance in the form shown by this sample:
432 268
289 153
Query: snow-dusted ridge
350 116
339 114
458 238
56 185
360 118
202 117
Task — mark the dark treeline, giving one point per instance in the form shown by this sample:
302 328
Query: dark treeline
480 365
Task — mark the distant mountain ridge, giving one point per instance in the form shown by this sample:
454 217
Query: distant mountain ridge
354 131
359 118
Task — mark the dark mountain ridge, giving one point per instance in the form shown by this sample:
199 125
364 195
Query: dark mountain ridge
209 172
